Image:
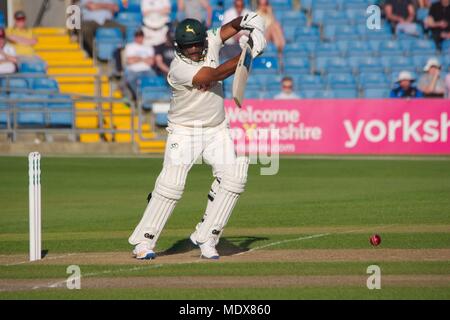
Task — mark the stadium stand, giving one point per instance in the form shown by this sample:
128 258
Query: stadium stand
330 53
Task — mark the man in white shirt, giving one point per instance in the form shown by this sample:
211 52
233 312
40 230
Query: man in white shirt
140 60
198 128
8 59
156 14
96 14
287 90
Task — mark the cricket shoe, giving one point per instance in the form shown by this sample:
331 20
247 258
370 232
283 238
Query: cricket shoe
208 249
143 252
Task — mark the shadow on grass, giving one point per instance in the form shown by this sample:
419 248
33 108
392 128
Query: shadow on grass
227 246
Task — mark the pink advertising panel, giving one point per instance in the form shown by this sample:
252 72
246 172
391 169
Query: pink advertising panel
346 126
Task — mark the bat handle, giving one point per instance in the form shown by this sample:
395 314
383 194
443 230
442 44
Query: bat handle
250 41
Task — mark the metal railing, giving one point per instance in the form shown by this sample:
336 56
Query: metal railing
104 113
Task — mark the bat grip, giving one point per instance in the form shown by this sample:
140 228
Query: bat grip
250 41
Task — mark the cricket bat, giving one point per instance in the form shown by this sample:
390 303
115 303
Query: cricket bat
241 75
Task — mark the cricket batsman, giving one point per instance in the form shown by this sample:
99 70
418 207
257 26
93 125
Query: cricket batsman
198 128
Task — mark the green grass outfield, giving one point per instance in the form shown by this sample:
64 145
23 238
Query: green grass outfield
318 212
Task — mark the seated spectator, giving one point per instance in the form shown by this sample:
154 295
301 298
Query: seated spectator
232 47
164 54
431 83
194 9
404 87
401 14
8 59
438 21
20 36
274 32
156 14
139 61
96 14
287 90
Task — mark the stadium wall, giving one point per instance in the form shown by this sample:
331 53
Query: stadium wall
339 127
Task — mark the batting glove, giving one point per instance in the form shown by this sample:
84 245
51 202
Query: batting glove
257 42
252 21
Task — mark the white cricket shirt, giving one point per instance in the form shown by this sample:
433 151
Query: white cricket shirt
192 106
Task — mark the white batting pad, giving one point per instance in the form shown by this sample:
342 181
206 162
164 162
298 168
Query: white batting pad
231 186
168 190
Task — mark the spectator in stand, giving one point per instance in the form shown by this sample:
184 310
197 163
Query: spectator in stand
438 21
404 87
194 9
401 14
274 31
96 14
232 47
431 83
8 58
156 14
287 90
20 36
139 60
164 54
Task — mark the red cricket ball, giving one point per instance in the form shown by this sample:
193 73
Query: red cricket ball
375 240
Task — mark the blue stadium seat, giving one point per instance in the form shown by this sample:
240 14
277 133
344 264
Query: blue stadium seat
340 32
376 93
45 84
324 5
265 65
341 80
347 93
291 18
397 63
133 6
217 16
309 81
391 47
446 47
61 118
422 14
32 66
161 119
281 5
337 64
2 20
317 94
3 111
304 48
304 33
290 33
353 48
149 96
373 80
378 35
129 19
107 40
327 49
297 65
306 5
366 64
152 82
424 46
30 118
356 15
14 84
